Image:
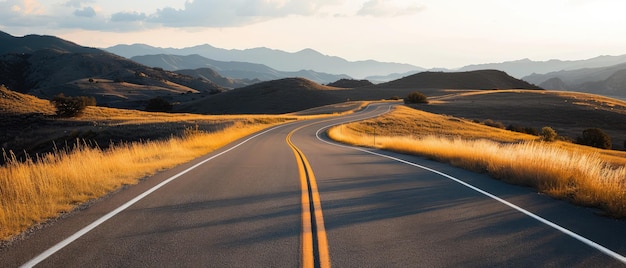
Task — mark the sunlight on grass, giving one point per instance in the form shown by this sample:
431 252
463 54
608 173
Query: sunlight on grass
582 177
33 191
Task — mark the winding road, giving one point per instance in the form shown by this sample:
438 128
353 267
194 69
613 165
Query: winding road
289 197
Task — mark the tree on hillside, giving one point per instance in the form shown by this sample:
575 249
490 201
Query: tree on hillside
158 104
595 137
548 134
71 106
415 97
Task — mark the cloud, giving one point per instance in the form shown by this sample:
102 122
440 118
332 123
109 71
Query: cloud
217 13
128 17
87 12
78 3
387 8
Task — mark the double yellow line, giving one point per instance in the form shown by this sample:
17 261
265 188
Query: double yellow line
314 241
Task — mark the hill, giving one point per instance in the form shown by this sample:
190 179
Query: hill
295 94
569 112
608 81
45 66
31 43
482 79
350 83
306 59
271 97
231 69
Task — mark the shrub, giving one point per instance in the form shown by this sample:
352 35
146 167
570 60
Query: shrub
492 123
158 104
548 134
595 137
71 106
415 97
527 130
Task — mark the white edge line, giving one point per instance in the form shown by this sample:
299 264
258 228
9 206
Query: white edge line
111 214
576 236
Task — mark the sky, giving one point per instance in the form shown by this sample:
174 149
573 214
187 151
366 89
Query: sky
426 33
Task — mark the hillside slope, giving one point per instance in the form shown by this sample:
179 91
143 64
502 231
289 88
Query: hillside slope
271 97
482 79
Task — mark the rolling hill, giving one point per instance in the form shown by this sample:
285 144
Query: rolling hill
482 79
45 66
231 69
295 94
272 97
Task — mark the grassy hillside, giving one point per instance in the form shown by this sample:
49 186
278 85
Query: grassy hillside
581 174
569 113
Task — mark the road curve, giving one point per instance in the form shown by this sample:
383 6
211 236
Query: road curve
244 205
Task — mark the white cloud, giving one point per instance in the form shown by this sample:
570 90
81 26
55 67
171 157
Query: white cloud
389 8
216 13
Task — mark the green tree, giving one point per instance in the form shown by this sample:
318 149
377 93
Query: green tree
595 137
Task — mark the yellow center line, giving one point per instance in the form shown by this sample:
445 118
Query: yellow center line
308 185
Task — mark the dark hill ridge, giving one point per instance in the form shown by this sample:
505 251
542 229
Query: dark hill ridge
482 79
31 43
350 83
271 97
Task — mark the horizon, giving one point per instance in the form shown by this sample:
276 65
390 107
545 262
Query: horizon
428 34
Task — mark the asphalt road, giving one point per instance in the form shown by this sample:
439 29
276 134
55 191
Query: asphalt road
288 197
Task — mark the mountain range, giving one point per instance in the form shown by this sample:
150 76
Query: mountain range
608 81
230 69
306 59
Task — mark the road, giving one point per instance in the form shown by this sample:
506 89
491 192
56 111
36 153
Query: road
288 197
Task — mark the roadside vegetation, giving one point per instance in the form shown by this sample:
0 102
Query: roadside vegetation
581 174
38 189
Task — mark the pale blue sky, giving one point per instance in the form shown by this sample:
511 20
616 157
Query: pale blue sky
428 33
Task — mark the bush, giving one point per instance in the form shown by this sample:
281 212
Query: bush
415 97
158 104
595 137
527 130
493 123
548 134
71 106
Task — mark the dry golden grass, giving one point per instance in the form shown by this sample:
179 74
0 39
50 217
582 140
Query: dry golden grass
584 175
34 191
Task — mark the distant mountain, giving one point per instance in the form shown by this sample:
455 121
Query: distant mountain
608 81
525 67
482 79
307 59
211 75
231 69
45 66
